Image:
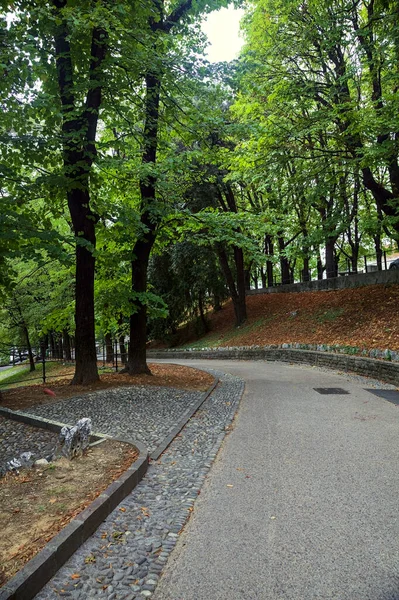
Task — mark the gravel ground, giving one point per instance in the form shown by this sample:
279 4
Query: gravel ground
143 414
16 438
124 558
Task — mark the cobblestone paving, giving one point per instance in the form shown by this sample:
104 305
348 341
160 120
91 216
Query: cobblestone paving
144 414
124 558
16 438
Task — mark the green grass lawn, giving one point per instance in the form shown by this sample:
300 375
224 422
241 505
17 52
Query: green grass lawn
20 375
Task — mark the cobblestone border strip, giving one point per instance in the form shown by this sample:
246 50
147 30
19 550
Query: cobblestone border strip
368 367
177 429
39 570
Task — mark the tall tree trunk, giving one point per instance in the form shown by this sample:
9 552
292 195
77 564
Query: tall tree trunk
79 127
85 339
137 362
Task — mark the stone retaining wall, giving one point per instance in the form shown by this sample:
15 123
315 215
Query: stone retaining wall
377 369
335 283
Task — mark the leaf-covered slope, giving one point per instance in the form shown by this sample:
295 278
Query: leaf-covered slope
365 317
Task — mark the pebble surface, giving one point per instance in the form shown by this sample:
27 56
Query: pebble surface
16 438
124 558
143 414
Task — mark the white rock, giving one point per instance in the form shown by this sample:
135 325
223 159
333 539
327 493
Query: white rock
41 462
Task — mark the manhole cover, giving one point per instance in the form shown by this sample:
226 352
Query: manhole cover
390 395
331 391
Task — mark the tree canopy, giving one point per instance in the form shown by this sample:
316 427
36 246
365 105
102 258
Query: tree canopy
141 183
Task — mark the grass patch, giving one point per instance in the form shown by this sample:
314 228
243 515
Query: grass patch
213 340
329 315
21 375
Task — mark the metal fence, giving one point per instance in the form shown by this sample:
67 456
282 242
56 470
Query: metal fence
43 359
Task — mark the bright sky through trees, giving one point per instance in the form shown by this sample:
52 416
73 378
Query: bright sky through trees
222 28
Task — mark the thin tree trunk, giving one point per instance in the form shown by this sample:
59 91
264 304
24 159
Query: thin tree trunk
269 248
239 309
202 313
123 349
67 345
263 277
306 269
29 347
109 348
241 283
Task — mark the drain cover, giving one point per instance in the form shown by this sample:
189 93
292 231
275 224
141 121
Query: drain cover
390 395
331 391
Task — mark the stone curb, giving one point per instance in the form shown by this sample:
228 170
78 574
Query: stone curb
177 429
368 367
40 569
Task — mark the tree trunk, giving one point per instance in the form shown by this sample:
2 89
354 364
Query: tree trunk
60 347
241 283
109 348
306 270
331 267
320 268
217 306
67 345
263 277
255 279
378 251
29 347
137 362
122 349
79 127
52 345
284 263
202 313
269 249
239 309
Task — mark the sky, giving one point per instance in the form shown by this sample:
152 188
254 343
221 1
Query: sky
222 29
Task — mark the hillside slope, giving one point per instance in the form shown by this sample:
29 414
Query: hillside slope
365 317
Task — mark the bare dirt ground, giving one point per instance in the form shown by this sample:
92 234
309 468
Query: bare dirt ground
38 503
176 376
365 317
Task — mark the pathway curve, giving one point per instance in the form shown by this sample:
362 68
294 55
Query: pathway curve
123 559
302 501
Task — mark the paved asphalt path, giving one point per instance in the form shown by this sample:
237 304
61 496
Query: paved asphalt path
302 501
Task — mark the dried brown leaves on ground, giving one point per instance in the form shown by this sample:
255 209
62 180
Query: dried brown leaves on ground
364 317
39 502
167 375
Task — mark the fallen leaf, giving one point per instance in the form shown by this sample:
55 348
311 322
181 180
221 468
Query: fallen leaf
75 576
